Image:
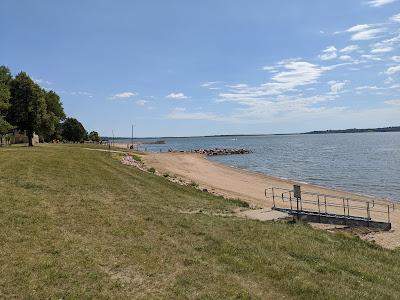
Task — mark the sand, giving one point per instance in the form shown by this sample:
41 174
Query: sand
250 186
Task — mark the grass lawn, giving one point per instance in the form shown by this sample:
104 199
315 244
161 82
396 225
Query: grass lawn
78 224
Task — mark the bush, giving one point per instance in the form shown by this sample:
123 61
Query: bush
136 158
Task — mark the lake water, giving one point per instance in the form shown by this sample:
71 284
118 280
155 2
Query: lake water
367 163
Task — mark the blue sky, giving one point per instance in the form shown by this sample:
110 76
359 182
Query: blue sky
180 68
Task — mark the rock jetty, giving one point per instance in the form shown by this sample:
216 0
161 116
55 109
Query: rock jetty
218 151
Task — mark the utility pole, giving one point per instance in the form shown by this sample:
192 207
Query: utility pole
132 137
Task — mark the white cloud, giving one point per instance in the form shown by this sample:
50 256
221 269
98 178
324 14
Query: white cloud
368 87
181 113
237 86
349 49
345 58
396 58
357 28
177 96
393 70
388 42
81 93
210 83
395 18
269 68
381 50
393 102
41 81
141 102
328 53
378 3
371 57
298 73
295 74
368 34
364 32
336 86
123 95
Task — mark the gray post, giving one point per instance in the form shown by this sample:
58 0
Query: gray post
297 195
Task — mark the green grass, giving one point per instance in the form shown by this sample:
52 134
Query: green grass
77 224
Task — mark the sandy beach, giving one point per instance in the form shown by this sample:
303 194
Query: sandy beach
250 186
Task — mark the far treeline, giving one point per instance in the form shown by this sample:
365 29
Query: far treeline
28 108
355 130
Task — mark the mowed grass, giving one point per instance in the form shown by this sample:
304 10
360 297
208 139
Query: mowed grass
77 224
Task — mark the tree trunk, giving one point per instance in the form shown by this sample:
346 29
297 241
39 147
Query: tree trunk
30 139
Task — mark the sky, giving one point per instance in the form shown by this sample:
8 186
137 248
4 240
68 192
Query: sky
186 68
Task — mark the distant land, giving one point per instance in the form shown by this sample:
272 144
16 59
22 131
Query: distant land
352 130
355 130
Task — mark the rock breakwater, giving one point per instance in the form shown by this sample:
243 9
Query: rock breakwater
218 151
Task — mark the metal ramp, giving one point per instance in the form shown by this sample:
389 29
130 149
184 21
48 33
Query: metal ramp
331 209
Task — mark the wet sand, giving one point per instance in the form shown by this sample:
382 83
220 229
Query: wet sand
250 186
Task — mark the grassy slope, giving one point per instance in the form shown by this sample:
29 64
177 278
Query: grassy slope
76 223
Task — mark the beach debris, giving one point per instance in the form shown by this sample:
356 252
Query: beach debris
217 151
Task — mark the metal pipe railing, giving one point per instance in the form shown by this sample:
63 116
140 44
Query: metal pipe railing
371 206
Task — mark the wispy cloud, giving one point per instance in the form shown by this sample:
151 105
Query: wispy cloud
271 69
393 102
177 96
210 83
395 18
181 113
393 70
78 93
336 86
141 102
41 81
124 95
360 27
349 49
368 34
395 58
363 32
329 53
345 58
379 3
381 50
293 74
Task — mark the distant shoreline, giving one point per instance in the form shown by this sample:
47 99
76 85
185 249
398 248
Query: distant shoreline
356 130
329 131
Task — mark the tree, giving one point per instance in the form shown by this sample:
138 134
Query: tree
5 79
28 105
73 130
94 136
54 114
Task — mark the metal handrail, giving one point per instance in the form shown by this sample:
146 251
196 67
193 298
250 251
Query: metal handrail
371 205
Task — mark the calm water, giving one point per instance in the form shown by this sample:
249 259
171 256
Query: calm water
367 163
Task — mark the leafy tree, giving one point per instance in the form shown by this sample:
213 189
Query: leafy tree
5 79
54 114
94 136
73 130
28 105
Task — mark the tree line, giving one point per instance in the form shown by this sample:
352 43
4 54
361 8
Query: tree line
30 109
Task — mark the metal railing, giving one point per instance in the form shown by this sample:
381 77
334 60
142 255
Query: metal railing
323 204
